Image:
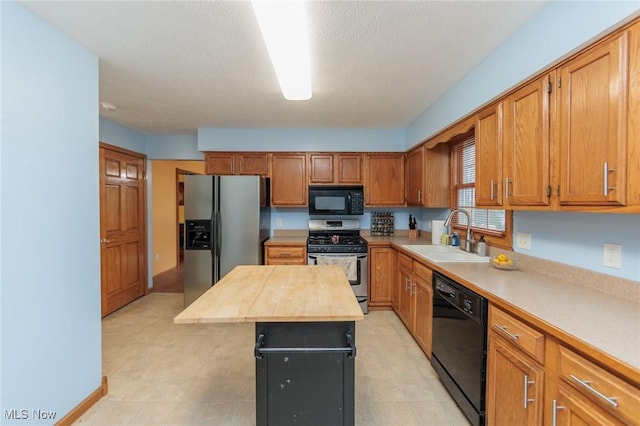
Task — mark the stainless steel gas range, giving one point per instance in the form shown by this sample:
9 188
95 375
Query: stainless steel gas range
338 241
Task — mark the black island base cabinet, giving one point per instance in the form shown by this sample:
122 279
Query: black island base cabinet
305 373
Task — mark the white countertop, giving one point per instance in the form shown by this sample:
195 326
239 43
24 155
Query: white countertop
606 322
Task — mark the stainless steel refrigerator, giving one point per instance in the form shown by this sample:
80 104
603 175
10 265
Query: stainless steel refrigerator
227 221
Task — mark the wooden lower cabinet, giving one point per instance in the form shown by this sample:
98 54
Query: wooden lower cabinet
515 385
285 255
382 272
423 294
415 298
534 379
569 408
405 297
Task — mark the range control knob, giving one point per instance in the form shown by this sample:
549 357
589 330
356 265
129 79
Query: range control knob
467 306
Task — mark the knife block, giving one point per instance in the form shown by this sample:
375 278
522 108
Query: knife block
413 233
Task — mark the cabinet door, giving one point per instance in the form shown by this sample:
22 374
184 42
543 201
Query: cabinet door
592 118
423 307
321 168
526 145
252 164
382 261
219 163
568 408
488 134
437 184
514 386
289 180
405 276
349 168
384 180
415 177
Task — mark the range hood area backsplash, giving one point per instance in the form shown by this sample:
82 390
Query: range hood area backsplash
572 238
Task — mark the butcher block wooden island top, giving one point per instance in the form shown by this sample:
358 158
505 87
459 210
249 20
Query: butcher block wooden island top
276 293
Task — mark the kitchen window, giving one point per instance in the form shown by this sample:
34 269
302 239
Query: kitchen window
494 224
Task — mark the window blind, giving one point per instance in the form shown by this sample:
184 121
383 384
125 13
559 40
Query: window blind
464 179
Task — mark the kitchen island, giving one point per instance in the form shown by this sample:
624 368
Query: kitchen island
305 338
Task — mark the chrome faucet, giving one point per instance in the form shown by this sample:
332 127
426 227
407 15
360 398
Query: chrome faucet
468 242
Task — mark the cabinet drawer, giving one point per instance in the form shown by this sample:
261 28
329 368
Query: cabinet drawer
404 262
604 388
286 261
422 272
517 332
286 252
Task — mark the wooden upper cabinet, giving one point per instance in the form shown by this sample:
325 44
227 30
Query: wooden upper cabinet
384 179
437 187
219 163
237 163
248 163
488 135
526 145
321 170
327 168
289 180
415 179
592 115
427 180
349 168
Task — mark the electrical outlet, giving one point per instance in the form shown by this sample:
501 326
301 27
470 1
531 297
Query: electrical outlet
279 222
523 240
612 256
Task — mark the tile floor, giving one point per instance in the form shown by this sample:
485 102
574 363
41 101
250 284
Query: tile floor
165 374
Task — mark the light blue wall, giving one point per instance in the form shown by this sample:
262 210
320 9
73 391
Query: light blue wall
559 28
121 136
172 147
50 264
299 218
577 239
339 140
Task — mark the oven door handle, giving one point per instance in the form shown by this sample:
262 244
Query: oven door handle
315 256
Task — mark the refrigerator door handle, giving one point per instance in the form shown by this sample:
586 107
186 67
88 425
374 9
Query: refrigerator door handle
218 234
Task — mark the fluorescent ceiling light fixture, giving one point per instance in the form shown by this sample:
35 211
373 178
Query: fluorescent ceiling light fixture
285 31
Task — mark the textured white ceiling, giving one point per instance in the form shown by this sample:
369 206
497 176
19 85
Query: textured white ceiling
175 66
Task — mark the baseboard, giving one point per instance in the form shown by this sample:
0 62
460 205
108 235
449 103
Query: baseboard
84 406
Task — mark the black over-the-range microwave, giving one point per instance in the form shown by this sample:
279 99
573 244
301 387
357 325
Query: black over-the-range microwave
336 200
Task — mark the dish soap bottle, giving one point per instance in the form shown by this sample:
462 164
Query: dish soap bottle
482 247
455 240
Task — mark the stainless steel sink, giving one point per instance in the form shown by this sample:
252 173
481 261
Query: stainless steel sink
437 253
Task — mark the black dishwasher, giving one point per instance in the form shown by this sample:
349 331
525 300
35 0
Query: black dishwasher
459 352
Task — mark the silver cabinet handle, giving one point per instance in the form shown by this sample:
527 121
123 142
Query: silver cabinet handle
585 384
503 328
554 412
506 187
419 195
412 289
491 190
605 173
406 283
527 382
105 241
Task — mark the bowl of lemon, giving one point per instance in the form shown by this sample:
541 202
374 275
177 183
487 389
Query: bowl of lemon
503 262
